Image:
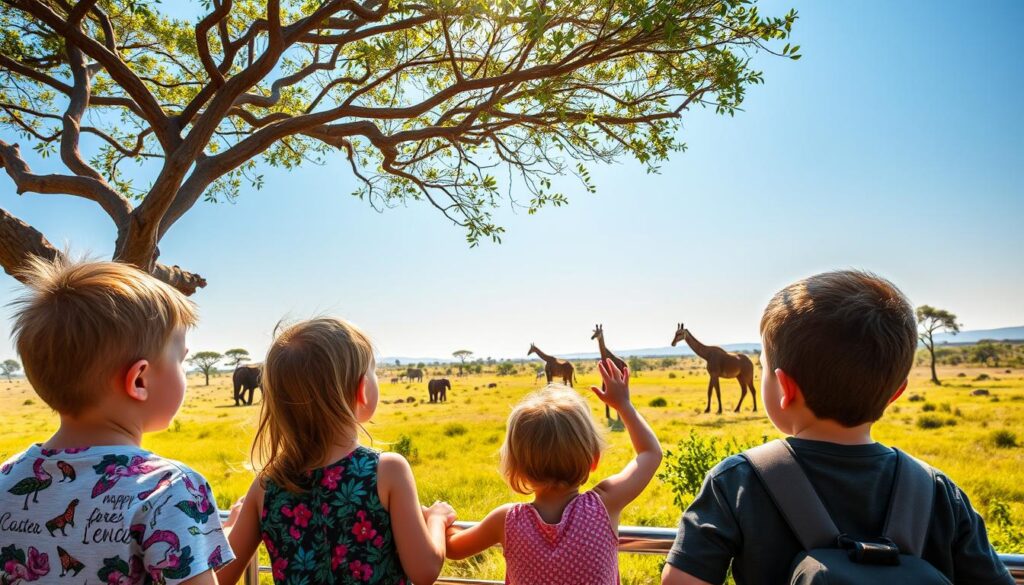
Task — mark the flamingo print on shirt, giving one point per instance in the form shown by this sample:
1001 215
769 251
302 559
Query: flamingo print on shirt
113 467
31 486
112 515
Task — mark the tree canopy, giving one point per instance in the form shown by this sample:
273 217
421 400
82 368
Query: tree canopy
8 367
236 356
430 101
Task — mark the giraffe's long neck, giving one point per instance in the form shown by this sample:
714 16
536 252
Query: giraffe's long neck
698 348
543 355
603 348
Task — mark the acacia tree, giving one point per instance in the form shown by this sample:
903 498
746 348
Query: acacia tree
462 355
8 367
984 351
929 321
421 100
205 362
236 356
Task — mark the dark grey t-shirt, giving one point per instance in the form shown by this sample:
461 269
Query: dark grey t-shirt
734 520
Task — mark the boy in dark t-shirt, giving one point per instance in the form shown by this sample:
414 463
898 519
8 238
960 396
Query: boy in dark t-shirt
837 349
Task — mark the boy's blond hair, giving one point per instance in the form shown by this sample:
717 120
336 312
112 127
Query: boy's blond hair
83 323
311 379
552 440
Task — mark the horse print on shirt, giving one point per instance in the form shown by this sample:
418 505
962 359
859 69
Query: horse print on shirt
61 522
69 563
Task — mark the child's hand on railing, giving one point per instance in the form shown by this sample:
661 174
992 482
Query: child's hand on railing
616 385
440 510
236 509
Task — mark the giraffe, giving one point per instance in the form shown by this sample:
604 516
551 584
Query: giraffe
554 367
606 354
721 364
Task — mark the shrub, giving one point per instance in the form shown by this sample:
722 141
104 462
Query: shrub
928 407
455 430
930 421
671 375
945 407
405 448
28 402
1004 439
692 459
658 402
1004 533
916 398
981 377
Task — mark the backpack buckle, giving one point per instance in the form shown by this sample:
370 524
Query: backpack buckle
878 551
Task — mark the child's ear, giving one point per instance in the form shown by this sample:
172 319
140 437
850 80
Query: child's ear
899 391
597 461
361 392
135 384
790 389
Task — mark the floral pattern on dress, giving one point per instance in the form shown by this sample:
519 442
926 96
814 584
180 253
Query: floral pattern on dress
348 541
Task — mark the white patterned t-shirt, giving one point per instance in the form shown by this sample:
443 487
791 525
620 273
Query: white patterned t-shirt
115 514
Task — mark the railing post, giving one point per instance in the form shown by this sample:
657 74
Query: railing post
251 576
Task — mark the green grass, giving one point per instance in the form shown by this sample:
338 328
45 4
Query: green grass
456 443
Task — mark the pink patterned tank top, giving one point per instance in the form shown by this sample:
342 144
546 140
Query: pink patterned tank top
582 549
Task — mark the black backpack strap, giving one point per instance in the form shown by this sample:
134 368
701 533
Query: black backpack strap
794 496
910 506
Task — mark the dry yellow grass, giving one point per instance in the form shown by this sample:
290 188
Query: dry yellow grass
214 437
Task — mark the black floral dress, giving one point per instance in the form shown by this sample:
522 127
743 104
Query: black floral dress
336 532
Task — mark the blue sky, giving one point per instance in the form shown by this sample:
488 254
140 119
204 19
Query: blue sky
895 145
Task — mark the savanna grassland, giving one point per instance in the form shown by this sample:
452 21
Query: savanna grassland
977 440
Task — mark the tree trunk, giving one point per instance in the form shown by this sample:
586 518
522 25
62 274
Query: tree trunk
935 378
207 372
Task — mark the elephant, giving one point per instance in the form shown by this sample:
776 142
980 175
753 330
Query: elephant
247 377
438 389
414 374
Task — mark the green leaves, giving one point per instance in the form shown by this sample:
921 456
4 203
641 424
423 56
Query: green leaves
467 105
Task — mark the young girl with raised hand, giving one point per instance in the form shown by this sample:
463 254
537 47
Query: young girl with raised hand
328 509
563 537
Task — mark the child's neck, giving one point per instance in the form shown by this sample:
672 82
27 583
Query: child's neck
550 502
833 432
90 430
339 450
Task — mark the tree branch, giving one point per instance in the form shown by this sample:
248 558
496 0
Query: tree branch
116 206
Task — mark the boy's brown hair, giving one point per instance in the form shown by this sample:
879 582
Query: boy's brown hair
552 440
848 338
83 323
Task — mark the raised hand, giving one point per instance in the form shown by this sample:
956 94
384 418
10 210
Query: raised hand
616 385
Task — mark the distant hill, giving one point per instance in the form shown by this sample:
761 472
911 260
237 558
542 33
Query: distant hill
964 337
974 336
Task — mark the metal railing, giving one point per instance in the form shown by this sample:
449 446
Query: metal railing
633 540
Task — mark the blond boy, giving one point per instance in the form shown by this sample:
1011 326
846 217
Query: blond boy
103 344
